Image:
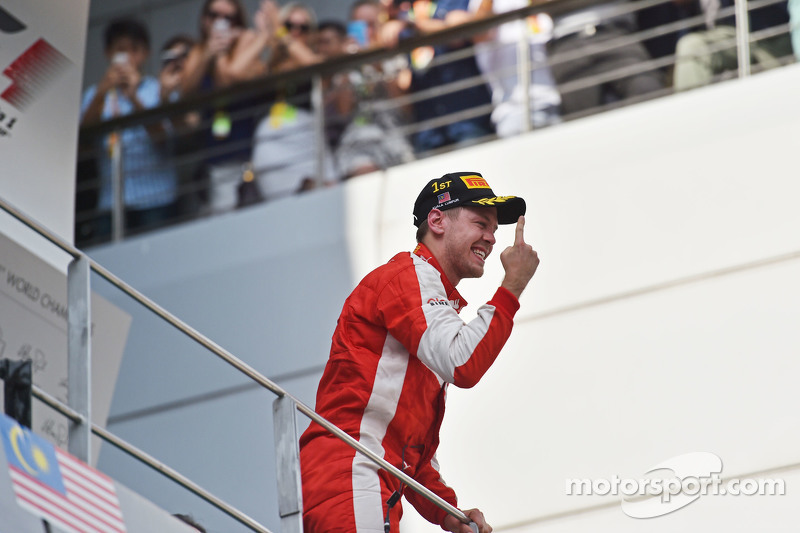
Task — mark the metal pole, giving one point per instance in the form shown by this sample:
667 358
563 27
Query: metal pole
742 37
524 75
287 458
79 373
320 145
117 188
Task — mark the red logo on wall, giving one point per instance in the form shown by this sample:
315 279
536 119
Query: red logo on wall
32 72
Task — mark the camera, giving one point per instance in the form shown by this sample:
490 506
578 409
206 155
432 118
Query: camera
221 25
120 58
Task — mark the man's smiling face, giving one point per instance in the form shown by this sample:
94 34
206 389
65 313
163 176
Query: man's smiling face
468 241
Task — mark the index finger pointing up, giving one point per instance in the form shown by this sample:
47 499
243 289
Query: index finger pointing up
518 238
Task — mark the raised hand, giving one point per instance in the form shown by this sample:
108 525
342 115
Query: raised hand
519 261
129 80
111 79
267 18
221 40
169 79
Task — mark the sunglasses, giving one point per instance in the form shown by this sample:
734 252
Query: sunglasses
302 28
214 15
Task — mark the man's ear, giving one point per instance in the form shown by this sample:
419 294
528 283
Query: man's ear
436 221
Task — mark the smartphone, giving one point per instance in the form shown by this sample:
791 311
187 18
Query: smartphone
120 58
221 26
357 30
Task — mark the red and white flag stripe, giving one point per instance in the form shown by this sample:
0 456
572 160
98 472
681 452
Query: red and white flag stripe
90 505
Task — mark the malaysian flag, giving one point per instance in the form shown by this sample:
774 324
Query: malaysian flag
54 485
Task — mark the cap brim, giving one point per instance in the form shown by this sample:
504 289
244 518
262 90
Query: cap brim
508 211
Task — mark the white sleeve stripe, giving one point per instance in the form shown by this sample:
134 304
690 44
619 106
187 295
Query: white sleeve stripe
447 342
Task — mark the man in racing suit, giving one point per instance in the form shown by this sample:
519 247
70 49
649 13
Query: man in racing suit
398 344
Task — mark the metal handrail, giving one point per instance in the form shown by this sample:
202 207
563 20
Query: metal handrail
230 359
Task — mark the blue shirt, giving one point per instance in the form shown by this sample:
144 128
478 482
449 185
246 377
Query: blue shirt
149 176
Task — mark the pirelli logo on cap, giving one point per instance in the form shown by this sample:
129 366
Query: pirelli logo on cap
493 201
475 182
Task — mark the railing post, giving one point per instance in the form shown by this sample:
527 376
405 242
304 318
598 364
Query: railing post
320 145
287 457
79 339
742 38
524 74
117 188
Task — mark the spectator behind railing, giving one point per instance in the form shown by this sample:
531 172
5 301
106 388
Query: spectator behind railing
150 184
358 102
228 52
333 41
666 12
173 65
497 58
294 27
424 17
183 128
701 55
284 152
576 33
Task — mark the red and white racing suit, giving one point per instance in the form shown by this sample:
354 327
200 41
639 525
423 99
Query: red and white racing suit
398 343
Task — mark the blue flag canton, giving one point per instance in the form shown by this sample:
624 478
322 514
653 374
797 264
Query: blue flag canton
31 454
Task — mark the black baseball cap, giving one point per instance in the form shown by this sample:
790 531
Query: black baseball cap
465 189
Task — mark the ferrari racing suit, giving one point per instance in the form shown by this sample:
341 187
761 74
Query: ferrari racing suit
398 343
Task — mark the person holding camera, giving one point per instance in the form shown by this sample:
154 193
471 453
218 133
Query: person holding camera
150 185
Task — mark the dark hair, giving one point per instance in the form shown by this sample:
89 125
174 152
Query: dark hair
335 25
126 27
189 520
178 39
422 230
